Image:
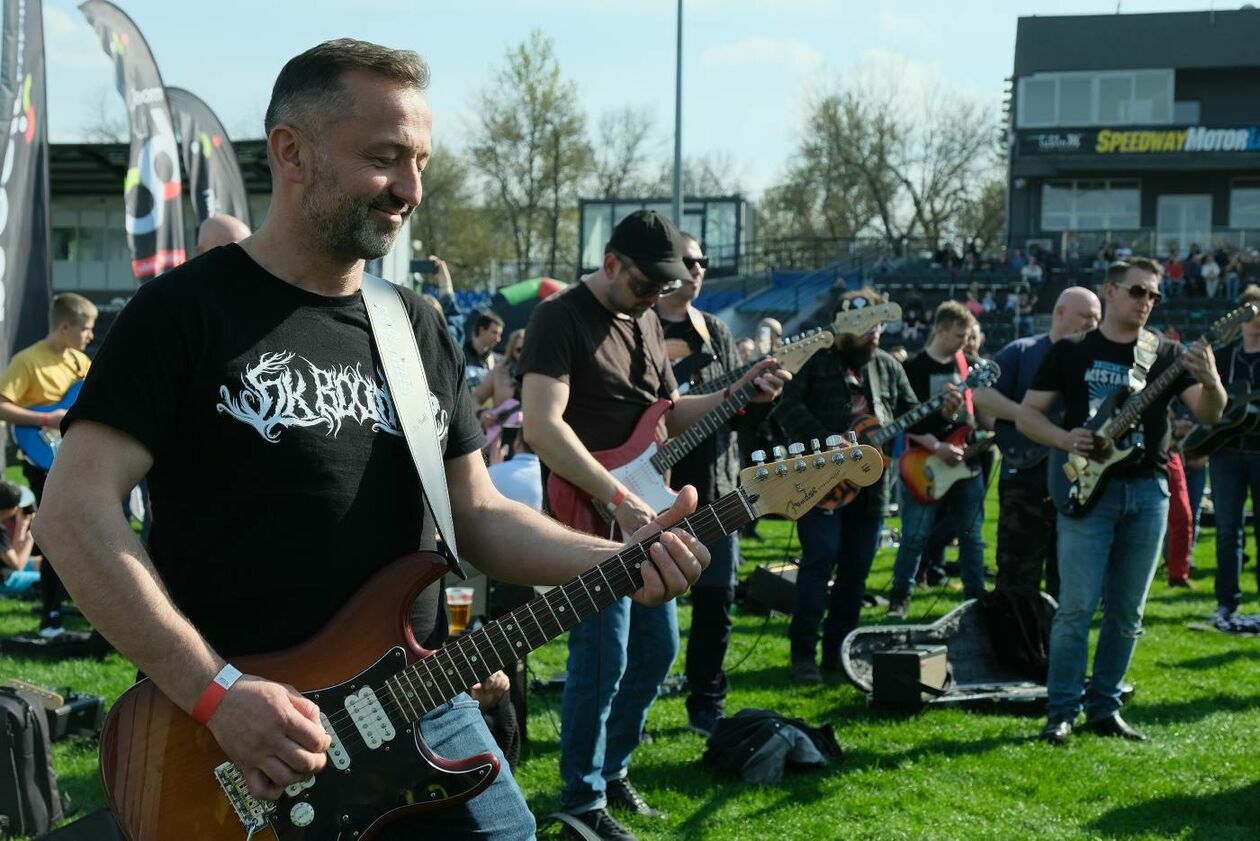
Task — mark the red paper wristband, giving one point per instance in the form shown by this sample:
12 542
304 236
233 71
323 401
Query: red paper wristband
214 694
618 497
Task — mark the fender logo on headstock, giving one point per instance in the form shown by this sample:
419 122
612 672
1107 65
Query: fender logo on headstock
806 502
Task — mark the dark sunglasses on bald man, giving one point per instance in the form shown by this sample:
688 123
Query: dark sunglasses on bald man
692 262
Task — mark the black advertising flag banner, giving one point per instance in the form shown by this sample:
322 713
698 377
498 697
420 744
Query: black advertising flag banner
25 270
152 187
210 165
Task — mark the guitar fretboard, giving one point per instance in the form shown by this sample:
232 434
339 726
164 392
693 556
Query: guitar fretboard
909 419
473 657
679 446
728 379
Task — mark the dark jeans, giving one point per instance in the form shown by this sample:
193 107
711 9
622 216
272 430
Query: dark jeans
843 541
710 633
1026 537
1234 473
52 592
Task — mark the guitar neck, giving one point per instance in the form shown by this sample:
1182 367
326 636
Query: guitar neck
722 382
909 419
1132 412
472 657
678 447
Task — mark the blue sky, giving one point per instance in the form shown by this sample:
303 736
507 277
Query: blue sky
749 65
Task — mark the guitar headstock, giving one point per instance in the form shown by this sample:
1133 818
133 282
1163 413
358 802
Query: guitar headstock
796 481
865 319
793 355
983 374
1226 324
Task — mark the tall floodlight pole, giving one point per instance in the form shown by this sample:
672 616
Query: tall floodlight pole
678 197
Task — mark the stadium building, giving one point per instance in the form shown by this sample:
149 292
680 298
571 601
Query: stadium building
1137 130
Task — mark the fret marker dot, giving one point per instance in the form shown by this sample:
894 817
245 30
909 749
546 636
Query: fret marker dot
636 566
562 608
473 659
509 627
450 671
428 683
596 588
518 645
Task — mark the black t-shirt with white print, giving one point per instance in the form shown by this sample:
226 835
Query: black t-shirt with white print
1086 369
281 480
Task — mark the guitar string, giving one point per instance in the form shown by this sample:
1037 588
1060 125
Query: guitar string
731 503
734 502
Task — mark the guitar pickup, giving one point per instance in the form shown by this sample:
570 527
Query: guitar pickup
1069 470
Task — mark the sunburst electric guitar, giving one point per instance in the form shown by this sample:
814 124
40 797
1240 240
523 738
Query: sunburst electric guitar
166 779
869 431
1076 481
642 463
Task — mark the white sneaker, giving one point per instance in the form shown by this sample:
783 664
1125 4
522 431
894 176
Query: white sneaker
51 633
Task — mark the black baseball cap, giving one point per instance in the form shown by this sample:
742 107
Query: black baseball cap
653 244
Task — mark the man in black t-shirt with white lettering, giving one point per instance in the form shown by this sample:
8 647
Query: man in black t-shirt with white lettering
247 385
1110 552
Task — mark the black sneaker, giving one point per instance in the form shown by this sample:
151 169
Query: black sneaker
602 824
806 671
623 795
898 605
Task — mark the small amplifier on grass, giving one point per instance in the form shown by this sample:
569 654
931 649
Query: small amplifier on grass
909 677
770 588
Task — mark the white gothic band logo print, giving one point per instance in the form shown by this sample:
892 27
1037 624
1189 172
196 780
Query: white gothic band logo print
277 393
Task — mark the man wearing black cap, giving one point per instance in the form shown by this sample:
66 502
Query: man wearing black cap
594 360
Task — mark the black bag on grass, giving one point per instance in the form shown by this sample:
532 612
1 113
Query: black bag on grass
28 787
1018 620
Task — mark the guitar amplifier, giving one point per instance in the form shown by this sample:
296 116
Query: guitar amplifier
80 715
909 677
770 588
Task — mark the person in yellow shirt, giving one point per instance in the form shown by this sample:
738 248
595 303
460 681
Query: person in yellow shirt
41 375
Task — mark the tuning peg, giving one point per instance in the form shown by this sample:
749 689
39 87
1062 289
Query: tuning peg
852 438
814 445
796 449
759 456
779 452
833 441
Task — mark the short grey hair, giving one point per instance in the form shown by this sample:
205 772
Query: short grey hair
309 86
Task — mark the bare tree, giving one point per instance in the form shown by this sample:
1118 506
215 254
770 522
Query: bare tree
623 145
528 136
107 119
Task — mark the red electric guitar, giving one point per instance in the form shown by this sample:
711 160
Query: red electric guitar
643 461
166 779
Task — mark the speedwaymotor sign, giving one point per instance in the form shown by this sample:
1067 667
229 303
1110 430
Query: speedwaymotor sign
1187 139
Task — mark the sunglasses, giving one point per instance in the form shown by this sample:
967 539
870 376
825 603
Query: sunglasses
692 262
644 288
1137 293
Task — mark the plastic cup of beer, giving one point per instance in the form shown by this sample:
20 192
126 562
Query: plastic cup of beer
458 608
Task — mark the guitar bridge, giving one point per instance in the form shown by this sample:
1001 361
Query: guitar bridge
253 813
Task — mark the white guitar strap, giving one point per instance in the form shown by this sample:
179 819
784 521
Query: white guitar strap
404 374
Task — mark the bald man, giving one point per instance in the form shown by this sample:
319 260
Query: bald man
220 229
1026 538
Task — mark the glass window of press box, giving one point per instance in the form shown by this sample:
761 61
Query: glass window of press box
1125 97
1080 205
717 223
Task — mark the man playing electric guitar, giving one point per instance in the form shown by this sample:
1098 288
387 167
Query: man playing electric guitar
941 362
1026 516
594 361
712 468
42 375
1235 469
850 379
1111 551
246 384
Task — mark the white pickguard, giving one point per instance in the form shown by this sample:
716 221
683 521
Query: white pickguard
941 476
641 479
1089 472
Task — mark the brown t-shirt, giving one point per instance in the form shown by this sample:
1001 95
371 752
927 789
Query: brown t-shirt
615 366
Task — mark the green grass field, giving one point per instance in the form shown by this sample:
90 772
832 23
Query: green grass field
937 774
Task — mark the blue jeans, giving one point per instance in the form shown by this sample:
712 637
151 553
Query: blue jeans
20 580
1111 554
964 503
1234 473
617 660
1196 481
843 541
455 730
